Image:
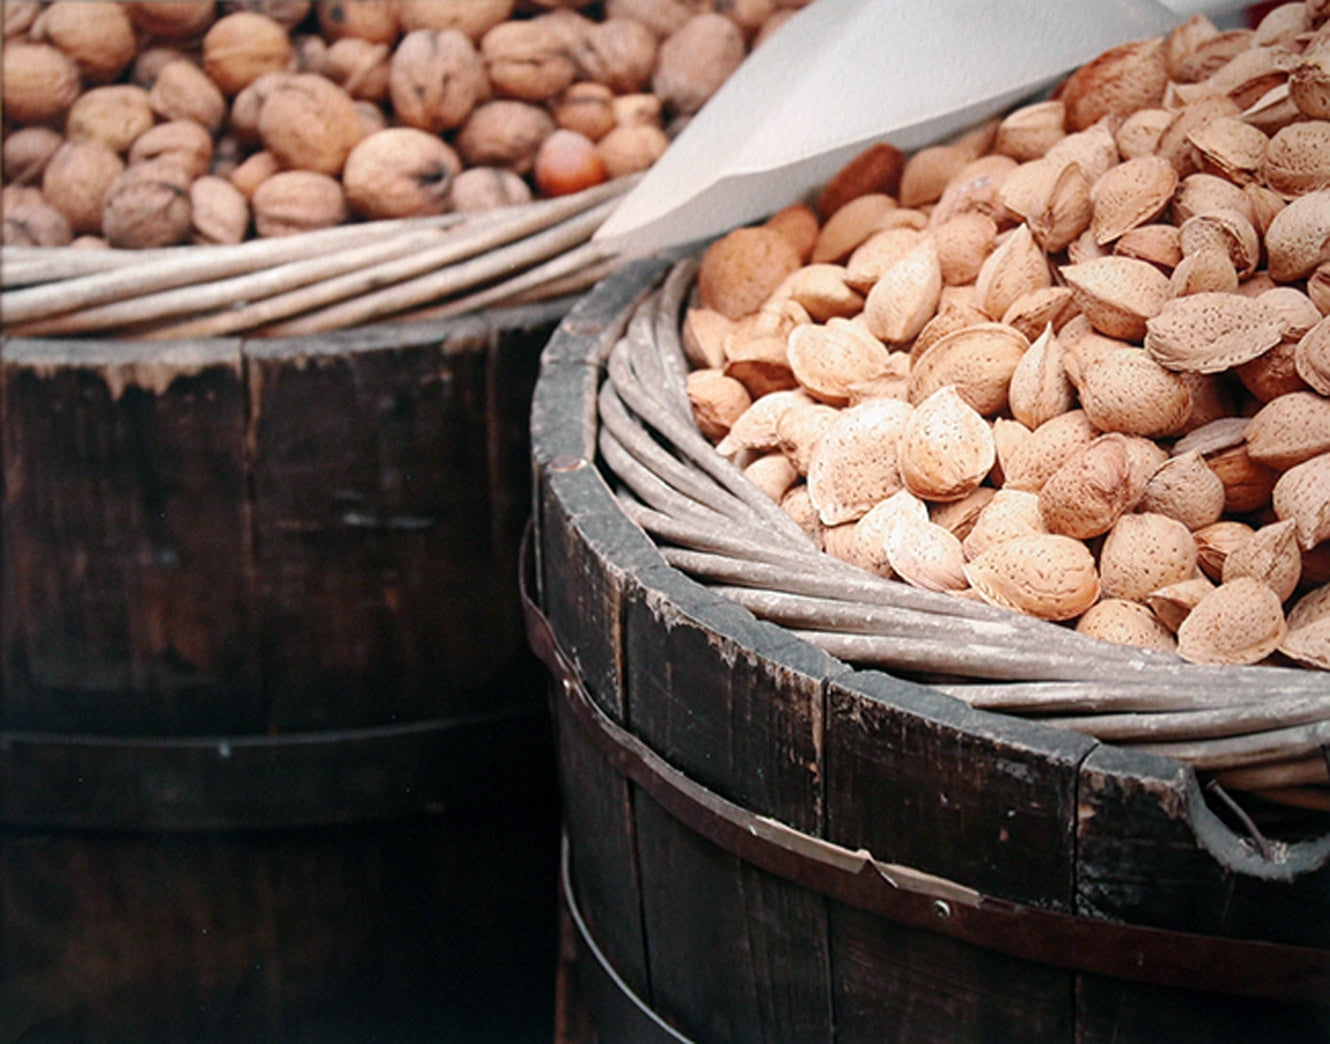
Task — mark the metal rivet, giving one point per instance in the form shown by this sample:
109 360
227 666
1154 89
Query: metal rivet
942 909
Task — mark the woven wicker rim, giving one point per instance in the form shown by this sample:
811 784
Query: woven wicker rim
313 282
1261 728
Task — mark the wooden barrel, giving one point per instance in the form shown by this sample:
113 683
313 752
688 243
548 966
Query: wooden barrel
275 757
765 844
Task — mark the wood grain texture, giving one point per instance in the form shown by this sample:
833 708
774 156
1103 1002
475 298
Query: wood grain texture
920 779
900 984
127 598
1151 852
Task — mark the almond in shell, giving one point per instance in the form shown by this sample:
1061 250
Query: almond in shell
1119 295
1126 623
1302 494
854 464
1239 622
1130 194
906 296
946 448
1308 639
1045 575
1127 391
1209 332
1289 429
1270 555
925 555
978 360
827 359
1186 489
1143 552
1091 490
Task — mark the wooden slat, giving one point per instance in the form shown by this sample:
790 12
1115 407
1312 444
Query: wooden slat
738 706
126 593
1150 851
385 539
1112 1011
582 582
899 984
920 779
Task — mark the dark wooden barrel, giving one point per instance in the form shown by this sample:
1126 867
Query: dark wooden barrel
275 757
767 845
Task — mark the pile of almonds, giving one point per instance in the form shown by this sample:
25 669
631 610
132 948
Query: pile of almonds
158 122
1075 362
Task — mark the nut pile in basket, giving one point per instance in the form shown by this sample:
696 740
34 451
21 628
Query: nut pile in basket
1075 362
154 123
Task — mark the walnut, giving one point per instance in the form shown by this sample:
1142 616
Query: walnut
172 19
568 162
241 47
182 91
246 106
435 79
31 221
311 53
374 20
149 64
474 17
39 83
628 150
286 13
219 212
631 110
359 67
372 117
253 172
96 34
115 115
26 153
400 172
620 53
487 188
182 142
504 133
227 153
294 201
19 17
77 179
147 206
662 17
309 123
530 60
749 15
587 108
694 61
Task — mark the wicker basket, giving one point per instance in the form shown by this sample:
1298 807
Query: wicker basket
313 282
1258 729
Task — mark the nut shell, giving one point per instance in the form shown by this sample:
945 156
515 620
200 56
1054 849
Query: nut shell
1045 575
435 78
741 269
309 123
1239 622
38 82
399 172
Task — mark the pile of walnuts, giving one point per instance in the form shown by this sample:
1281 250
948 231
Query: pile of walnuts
160 122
